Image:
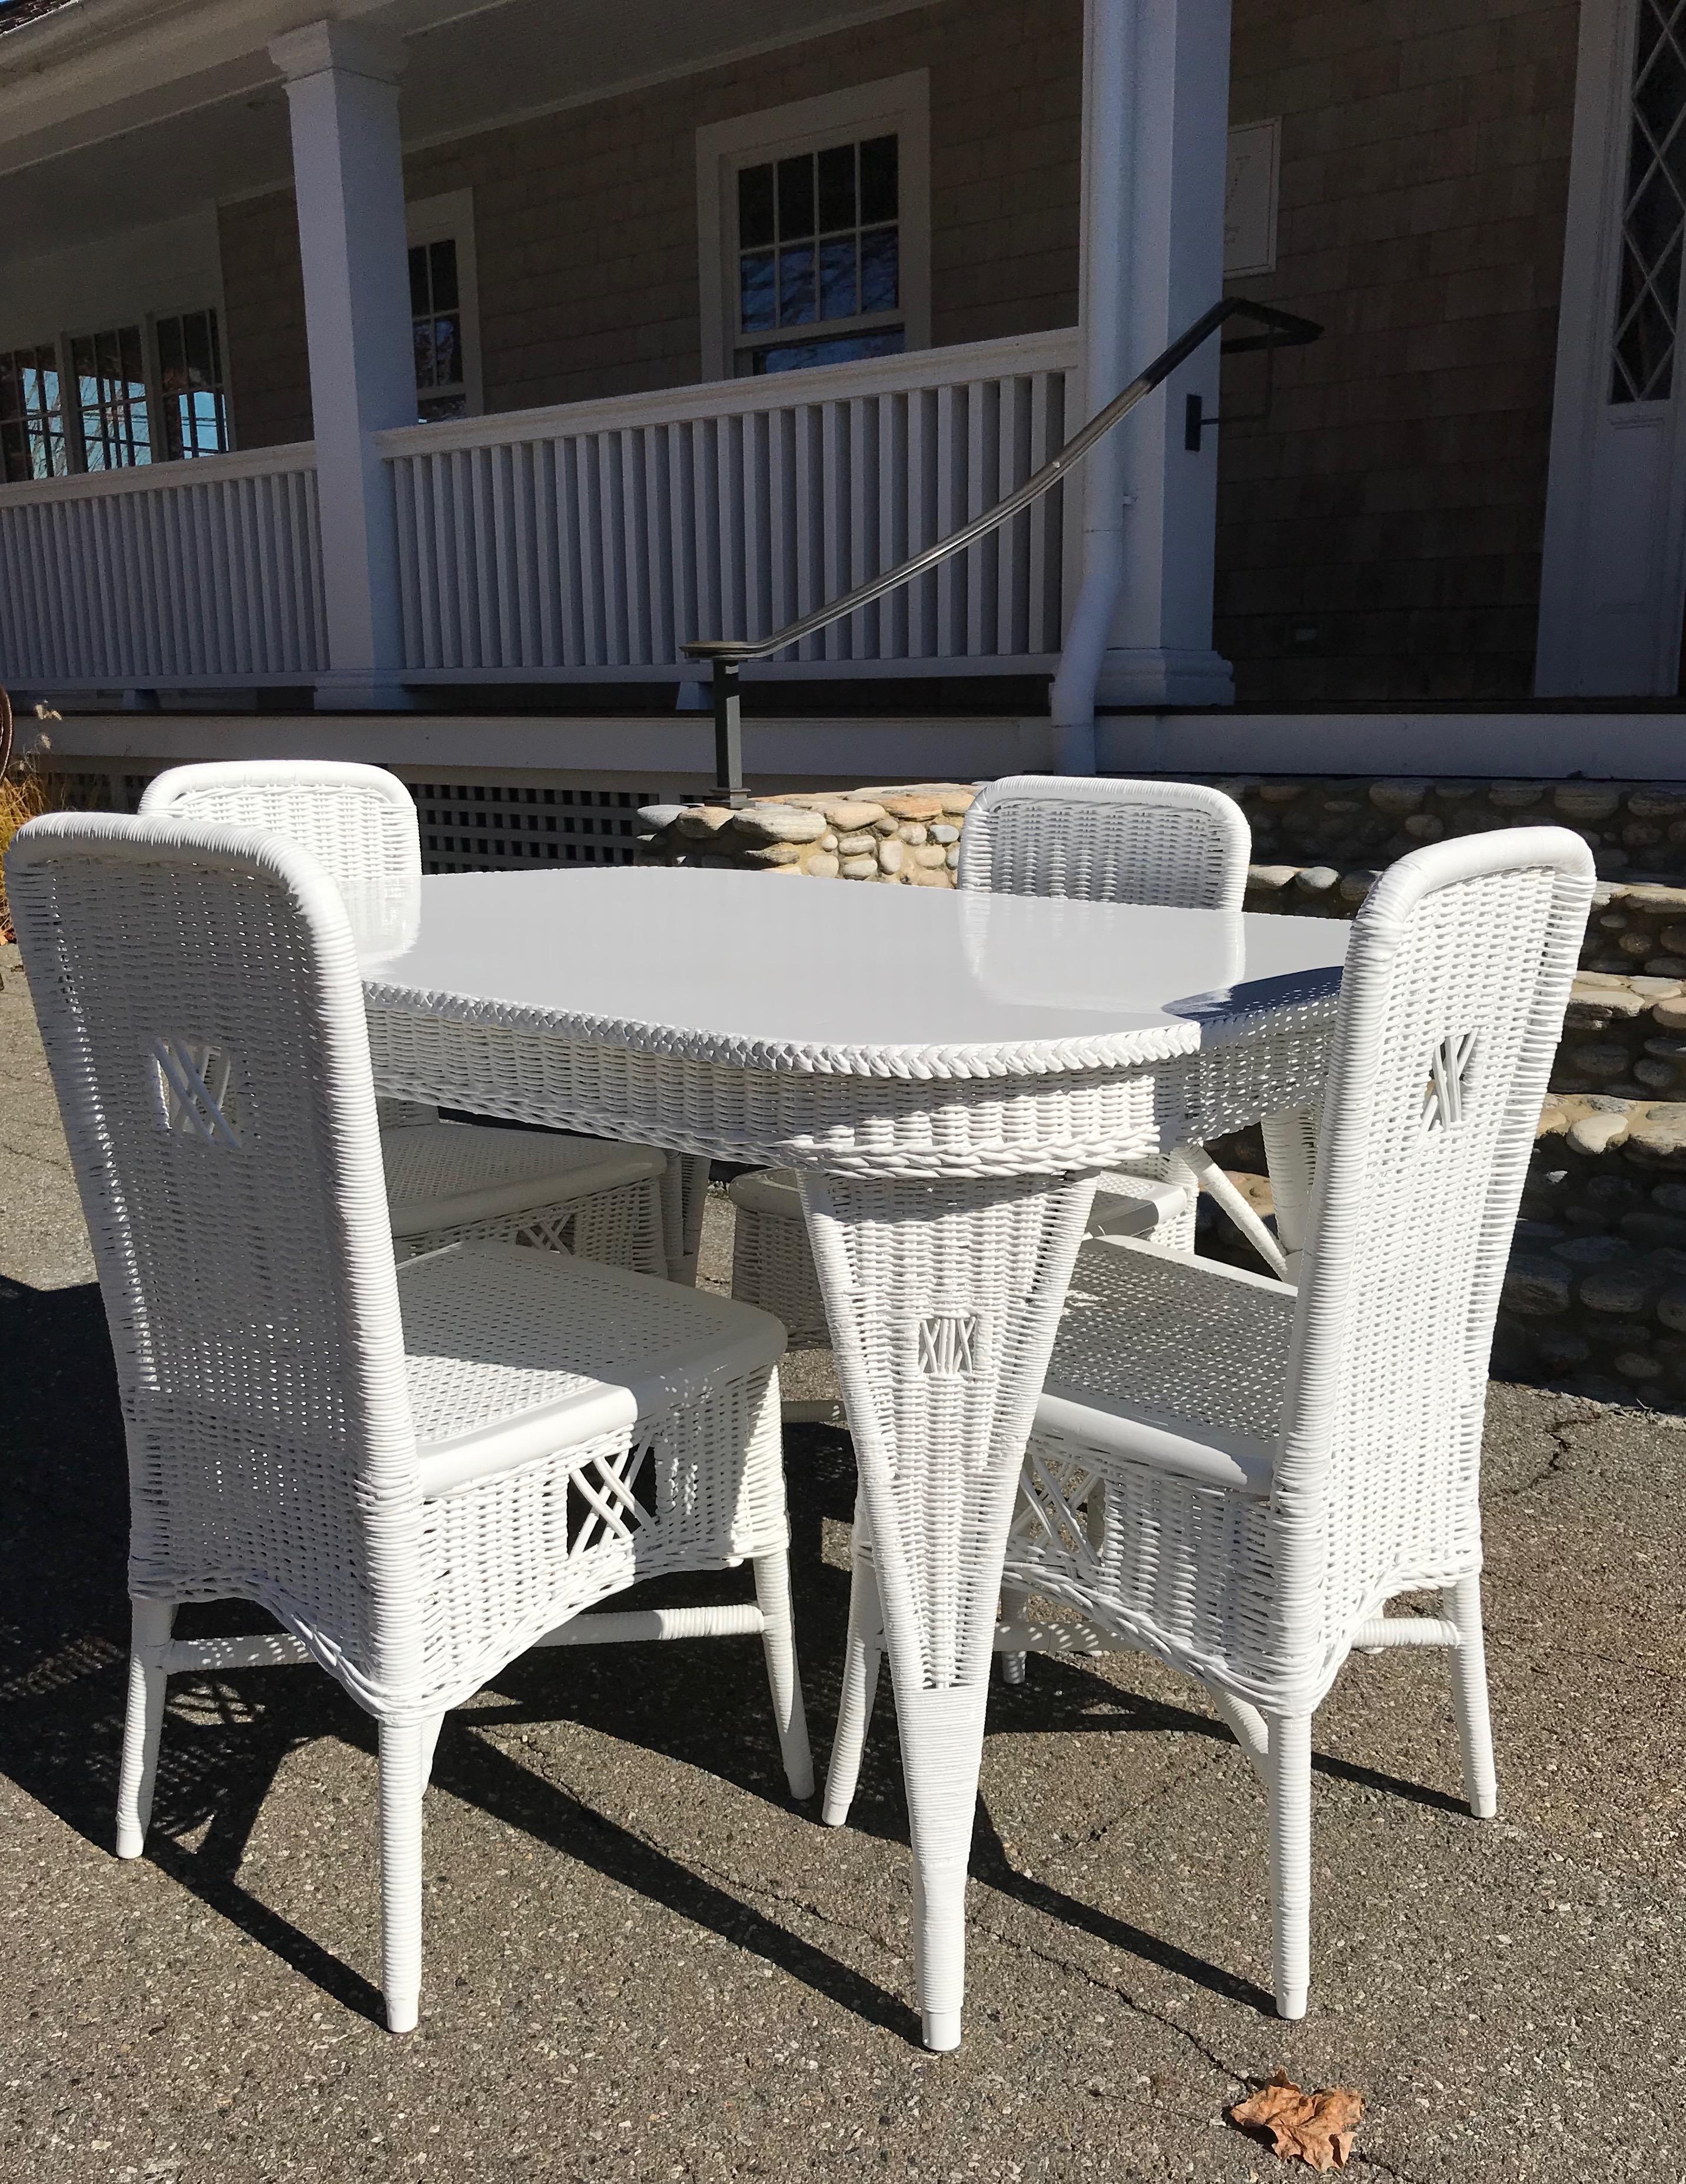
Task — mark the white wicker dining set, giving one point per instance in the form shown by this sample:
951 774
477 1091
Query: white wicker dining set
428 1392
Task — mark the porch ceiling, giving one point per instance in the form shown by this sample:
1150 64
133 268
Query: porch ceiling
120 112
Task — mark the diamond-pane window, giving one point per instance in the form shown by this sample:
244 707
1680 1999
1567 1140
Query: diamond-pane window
1653 209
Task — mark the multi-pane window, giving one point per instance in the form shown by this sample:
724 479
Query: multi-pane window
190 382
109 376
1653 209
31 415
819 257
436 329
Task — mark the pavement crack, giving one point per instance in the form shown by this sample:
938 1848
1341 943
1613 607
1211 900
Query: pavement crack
745 1885
1561 1449
788 1900
1202 1762
1386 2168
33 1157
1055 1962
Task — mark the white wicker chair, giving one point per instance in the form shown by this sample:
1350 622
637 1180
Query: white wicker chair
446 1181
419 1471
1154 842
1238 1477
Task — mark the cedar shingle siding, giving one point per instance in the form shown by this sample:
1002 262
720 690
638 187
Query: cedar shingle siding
1380 540
586 220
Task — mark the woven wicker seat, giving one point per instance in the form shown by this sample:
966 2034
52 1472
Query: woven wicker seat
460 1182
419 1471
1175 1361
456 1183
1238 1477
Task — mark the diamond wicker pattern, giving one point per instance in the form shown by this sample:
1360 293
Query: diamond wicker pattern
419 1472
1360 1399
359 821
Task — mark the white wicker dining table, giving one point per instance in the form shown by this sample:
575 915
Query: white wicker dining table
946 1072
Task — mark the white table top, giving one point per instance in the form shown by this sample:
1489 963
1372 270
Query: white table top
771 974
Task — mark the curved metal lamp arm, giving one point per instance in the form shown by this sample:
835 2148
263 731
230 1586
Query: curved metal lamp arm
1283 328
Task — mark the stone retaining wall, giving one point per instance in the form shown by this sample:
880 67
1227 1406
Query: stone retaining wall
896 837
1595 1297
1636 829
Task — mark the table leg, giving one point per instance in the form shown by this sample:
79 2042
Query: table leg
1290 1154
944 1298
684 1193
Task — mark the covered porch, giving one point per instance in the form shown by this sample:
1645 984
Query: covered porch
730 475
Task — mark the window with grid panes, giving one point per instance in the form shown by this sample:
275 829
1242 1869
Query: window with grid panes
32 443
437 331
478 825
819 258
190 382
1653 209
109 374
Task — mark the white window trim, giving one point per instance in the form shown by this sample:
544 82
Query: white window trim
1252 182
901 104
449 218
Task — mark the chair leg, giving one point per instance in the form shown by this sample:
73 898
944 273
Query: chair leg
402 1748
430 1745
778 1643
1289 1763
1015 1606
1469 1697
862 1655
142 1726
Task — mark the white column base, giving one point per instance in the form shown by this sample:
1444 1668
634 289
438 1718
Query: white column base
1156 675
352 692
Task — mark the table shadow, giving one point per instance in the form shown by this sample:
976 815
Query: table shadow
64 1642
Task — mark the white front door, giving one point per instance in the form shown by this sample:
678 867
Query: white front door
1614 572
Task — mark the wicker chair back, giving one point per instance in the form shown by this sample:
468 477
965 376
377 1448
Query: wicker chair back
1456 978
359 822
199 999
1174 844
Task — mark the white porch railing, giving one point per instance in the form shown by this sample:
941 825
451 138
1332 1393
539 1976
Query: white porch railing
595 538
173 573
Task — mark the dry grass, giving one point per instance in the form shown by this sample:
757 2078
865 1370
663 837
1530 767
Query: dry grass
27 790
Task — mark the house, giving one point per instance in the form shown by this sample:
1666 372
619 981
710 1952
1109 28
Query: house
413 381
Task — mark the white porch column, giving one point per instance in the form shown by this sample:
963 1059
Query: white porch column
342 86
1155 138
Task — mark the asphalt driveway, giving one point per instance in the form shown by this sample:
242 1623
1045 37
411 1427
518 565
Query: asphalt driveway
643 1962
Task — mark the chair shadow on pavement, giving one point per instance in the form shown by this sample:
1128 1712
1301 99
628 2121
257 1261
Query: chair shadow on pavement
64 1638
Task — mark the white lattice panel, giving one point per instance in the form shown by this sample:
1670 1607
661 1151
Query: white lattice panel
491 824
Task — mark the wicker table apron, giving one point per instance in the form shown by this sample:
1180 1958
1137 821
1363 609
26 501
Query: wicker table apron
946 1071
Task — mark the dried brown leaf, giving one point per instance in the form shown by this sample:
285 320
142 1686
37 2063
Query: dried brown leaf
1316 2128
